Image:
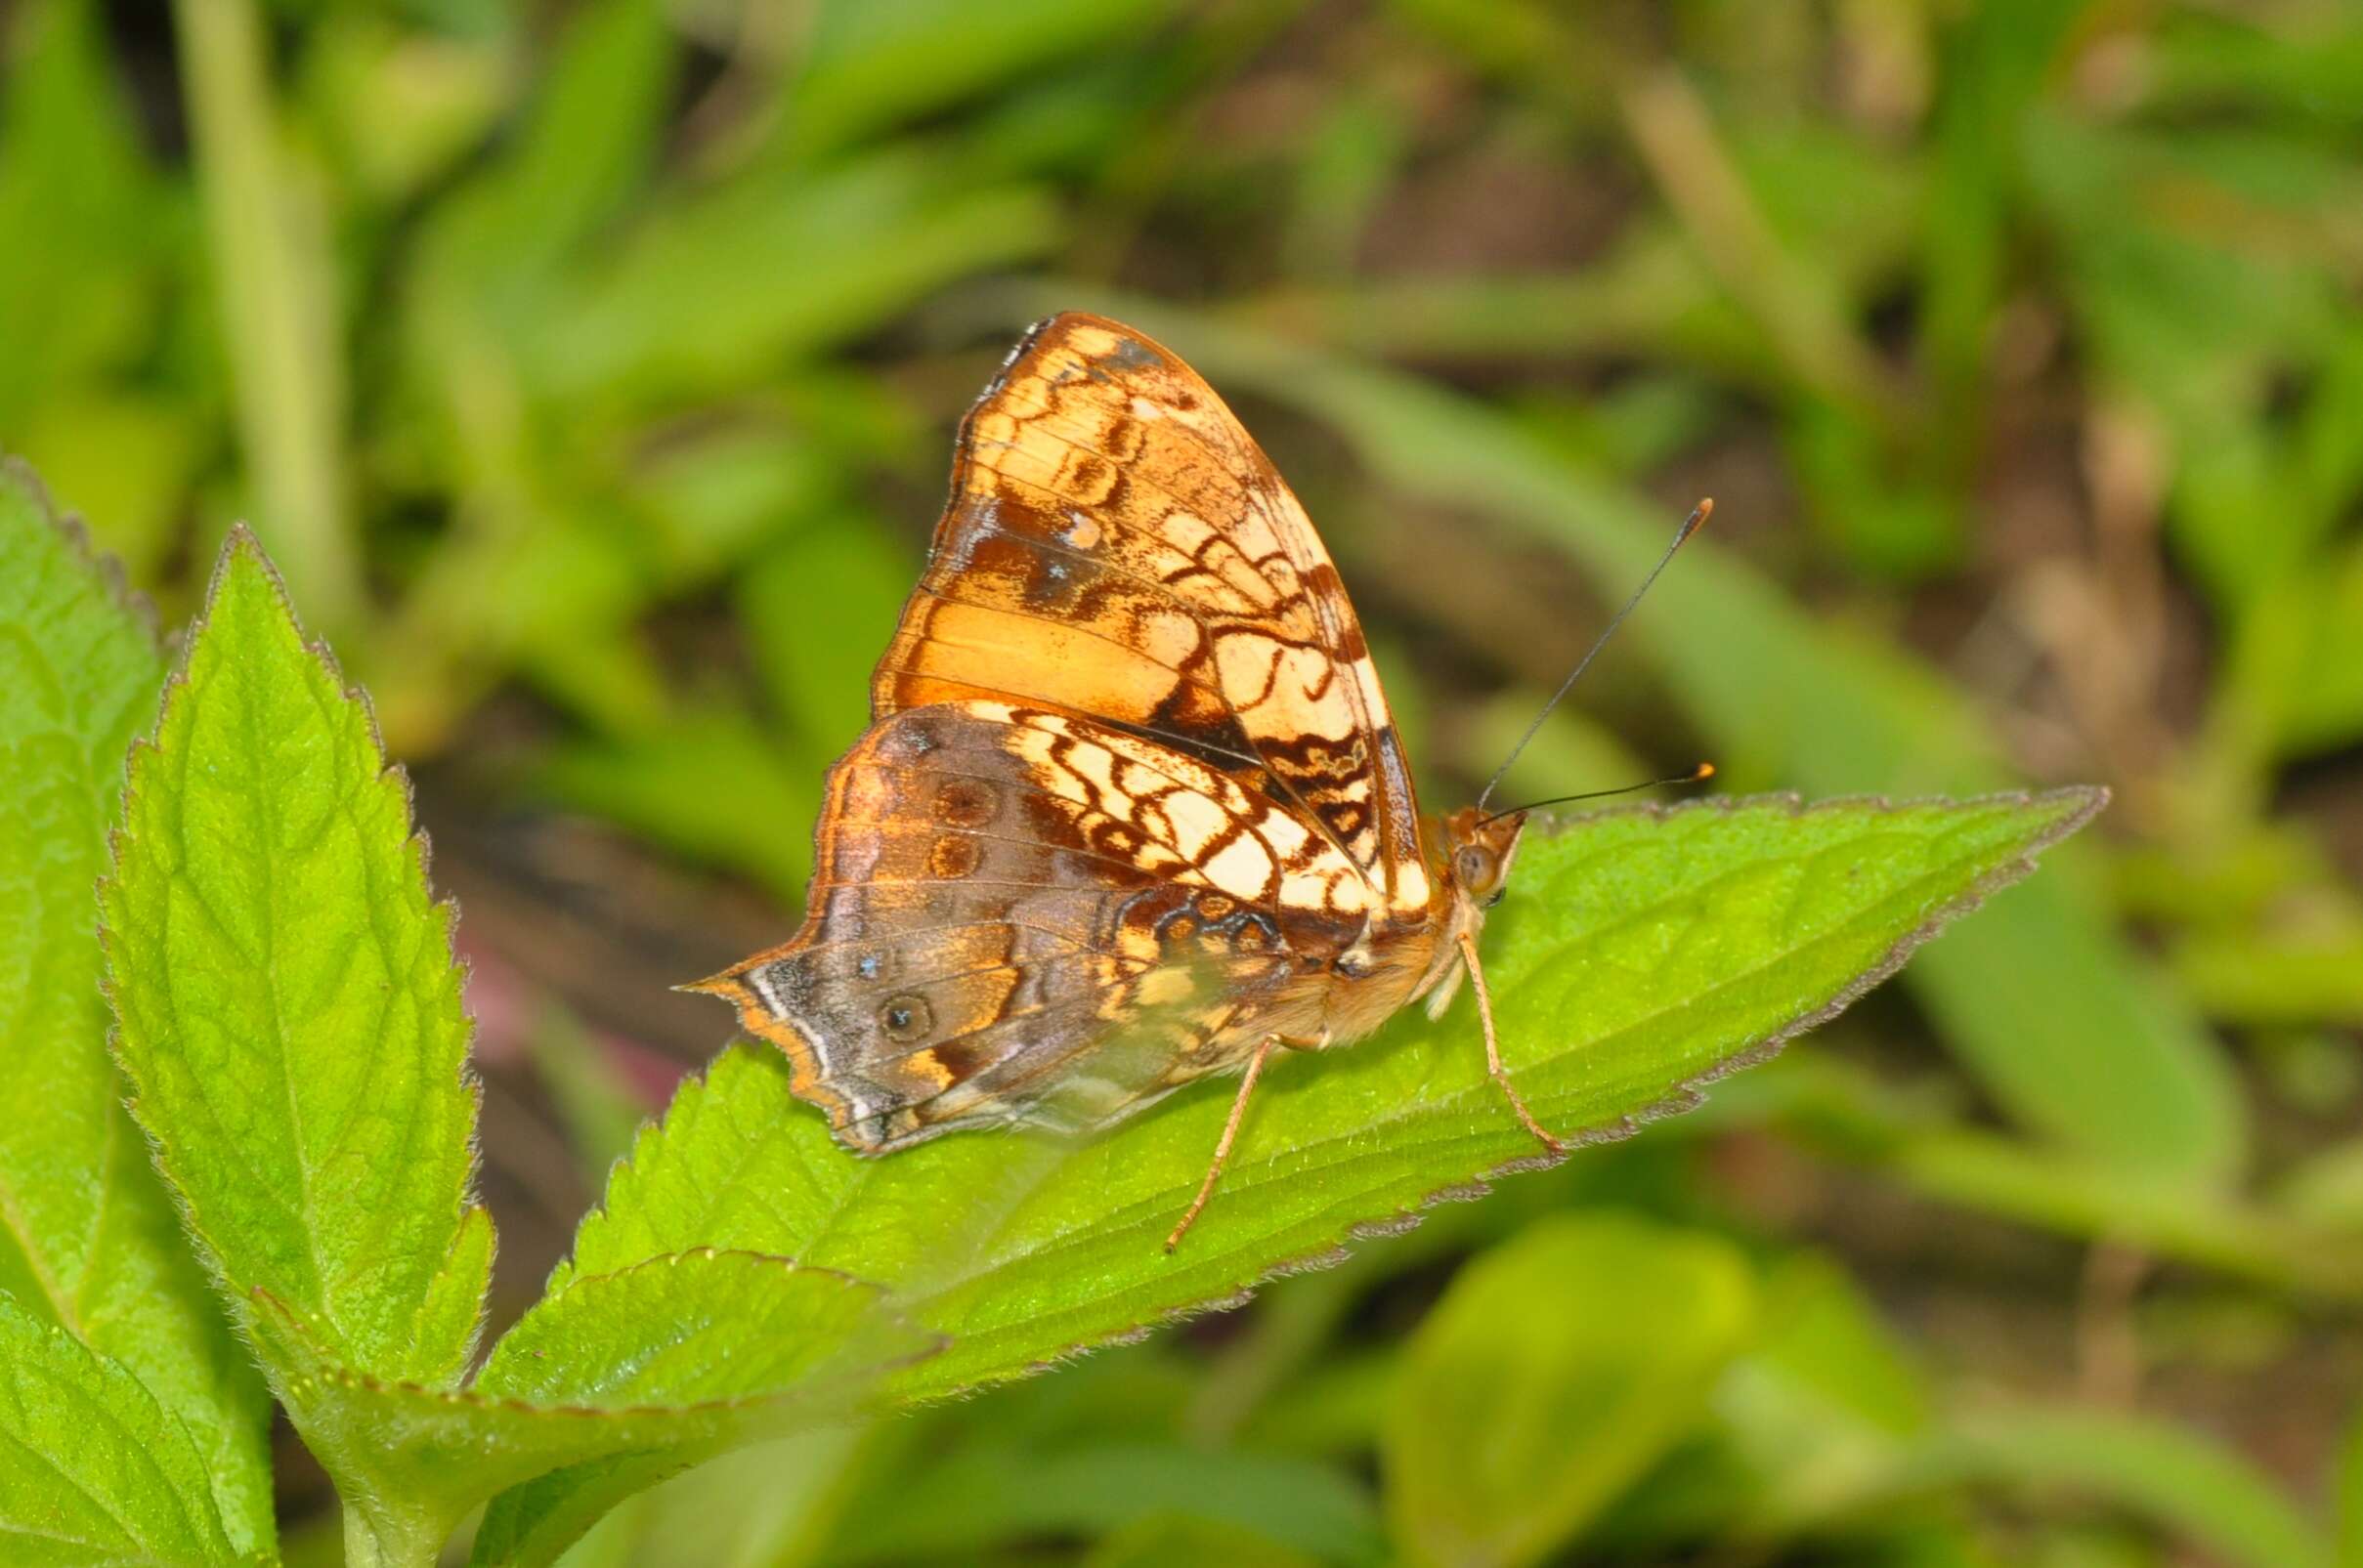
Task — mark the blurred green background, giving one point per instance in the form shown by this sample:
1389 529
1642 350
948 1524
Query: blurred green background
590 370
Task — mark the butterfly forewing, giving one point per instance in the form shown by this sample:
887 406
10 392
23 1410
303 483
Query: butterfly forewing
1119 549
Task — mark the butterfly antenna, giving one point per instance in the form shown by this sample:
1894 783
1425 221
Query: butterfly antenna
1698 775
1690 525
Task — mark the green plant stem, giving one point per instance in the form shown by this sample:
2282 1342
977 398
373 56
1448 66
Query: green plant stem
380 1539
274 283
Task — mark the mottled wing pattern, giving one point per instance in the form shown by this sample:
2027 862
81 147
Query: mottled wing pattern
1025 914
1117 547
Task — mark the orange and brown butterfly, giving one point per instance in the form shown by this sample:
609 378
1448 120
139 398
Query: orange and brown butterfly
1130 810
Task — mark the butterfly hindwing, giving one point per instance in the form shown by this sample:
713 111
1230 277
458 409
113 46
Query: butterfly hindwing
1020 915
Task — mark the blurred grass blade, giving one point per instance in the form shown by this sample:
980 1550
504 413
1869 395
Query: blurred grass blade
864 68
588 140
815 609
1167 1541
105 243
2048 1005
277 283
2203 1494
1558 1369
88 1238
720 287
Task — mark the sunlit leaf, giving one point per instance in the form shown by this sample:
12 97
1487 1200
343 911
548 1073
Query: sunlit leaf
289 1008
87 1240
605 1386
1639 953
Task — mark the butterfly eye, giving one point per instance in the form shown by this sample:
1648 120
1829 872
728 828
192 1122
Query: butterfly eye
1474 867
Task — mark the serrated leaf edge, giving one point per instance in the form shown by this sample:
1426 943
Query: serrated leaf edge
329 1369
102 564
2089 801
243 542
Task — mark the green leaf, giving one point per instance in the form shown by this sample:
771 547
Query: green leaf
610 1383
91 1469
1638 954
289 1011
1555 1371
87 1240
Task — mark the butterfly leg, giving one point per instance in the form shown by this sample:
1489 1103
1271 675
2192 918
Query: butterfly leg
1502 1076
1230 1131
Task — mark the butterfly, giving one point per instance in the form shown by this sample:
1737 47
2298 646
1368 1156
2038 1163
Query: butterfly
1130 811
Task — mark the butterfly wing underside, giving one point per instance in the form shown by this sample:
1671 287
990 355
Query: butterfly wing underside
1131 785
1020 916
1118 546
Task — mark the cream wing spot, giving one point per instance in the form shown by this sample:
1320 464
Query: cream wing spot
1325 888
1186 532
1197 821
1097 770
1366 681
1286 836
1242 869
1253 533
1247 663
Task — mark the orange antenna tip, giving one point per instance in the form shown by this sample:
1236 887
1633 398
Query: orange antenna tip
1690 525
1703 772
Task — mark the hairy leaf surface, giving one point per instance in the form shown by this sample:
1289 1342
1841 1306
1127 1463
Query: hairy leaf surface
1640 952
87 1240
289 1007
